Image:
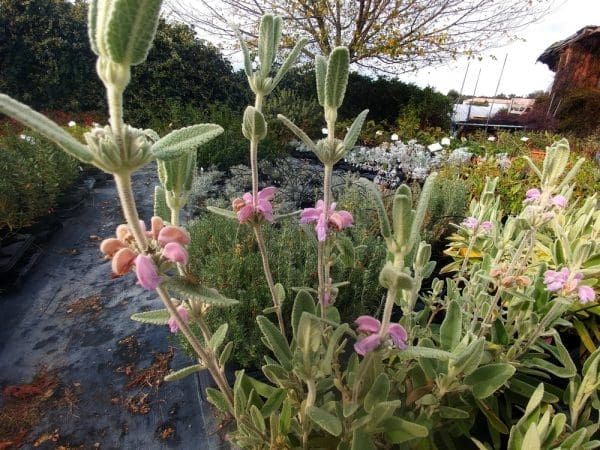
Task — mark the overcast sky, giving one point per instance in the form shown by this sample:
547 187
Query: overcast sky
522 74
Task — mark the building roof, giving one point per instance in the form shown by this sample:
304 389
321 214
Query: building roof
551 55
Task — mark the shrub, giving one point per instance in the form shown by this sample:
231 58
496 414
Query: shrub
35 172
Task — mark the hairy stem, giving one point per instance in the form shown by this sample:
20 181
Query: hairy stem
125 191
322 250
115 106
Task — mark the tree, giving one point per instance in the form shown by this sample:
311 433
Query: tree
385 35
45 56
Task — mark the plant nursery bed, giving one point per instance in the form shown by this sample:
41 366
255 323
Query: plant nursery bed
75 371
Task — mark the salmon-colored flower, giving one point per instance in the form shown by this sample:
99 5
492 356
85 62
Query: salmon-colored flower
111 246
171 233
123 261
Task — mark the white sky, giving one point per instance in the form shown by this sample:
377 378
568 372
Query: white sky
522 74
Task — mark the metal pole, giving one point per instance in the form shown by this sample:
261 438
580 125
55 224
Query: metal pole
474 92
495 93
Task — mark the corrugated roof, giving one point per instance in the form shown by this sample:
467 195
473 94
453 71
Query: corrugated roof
551 55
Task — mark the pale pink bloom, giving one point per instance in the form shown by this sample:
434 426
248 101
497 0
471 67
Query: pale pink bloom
123 261
471 223
554 280
398 335
486 226
123 232
586 294
176 253
532 195
183 313
171 233
338 220
559 201
147 273
367 344
367 324
372 327
245 209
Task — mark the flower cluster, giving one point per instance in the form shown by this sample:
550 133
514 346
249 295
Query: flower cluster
371 328
166 245
246 210
534 195
473 224
568 283
336 220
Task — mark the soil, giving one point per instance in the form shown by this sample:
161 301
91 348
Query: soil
75 371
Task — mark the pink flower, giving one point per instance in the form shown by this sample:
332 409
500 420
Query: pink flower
367 344
554 280
371 327
586 294
183 313
470 222
398 335
146 272
176 253
486 226
244 207
532 195
559 201
171 233
367 324
338 220
156 224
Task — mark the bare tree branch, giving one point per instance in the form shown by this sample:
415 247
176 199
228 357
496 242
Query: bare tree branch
383 35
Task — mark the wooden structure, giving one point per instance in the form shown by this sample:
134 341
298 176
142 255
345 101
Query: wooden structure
576 61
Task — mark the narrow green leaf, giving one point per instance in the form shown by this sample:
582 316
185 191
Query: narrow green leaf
92 23
218 399
187 139
218 337
421 210
188 289
448 412
156 317
325 420
362 441
289 62
531 441
182 373
276 342
488 379
451 328
336 79
354 131
245 53
298 132
321 74
45 127
161 209
130 30
280 291
273 402
227 213
225 354
398 431
346 249
386 229
378 393
269 35
303 303
423 352
257 418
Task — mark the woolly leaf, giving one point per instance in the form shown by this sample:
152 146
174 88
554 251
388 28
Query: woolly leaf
337 77
275 341
161 209
325 420
488 379
386 229
321 74
187 139
254 126
222 212
298 132
218 399
188 289
218 337
451 328
45 127
131 29
303 303
354 131
398 430
289 61
156 317
226 353
378 392
182 373
268 40
273 402
246 53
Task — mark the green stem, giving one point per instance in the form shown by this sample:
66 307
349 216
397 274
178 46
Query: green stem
125 191
115 106
322 250
310 401
268 275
